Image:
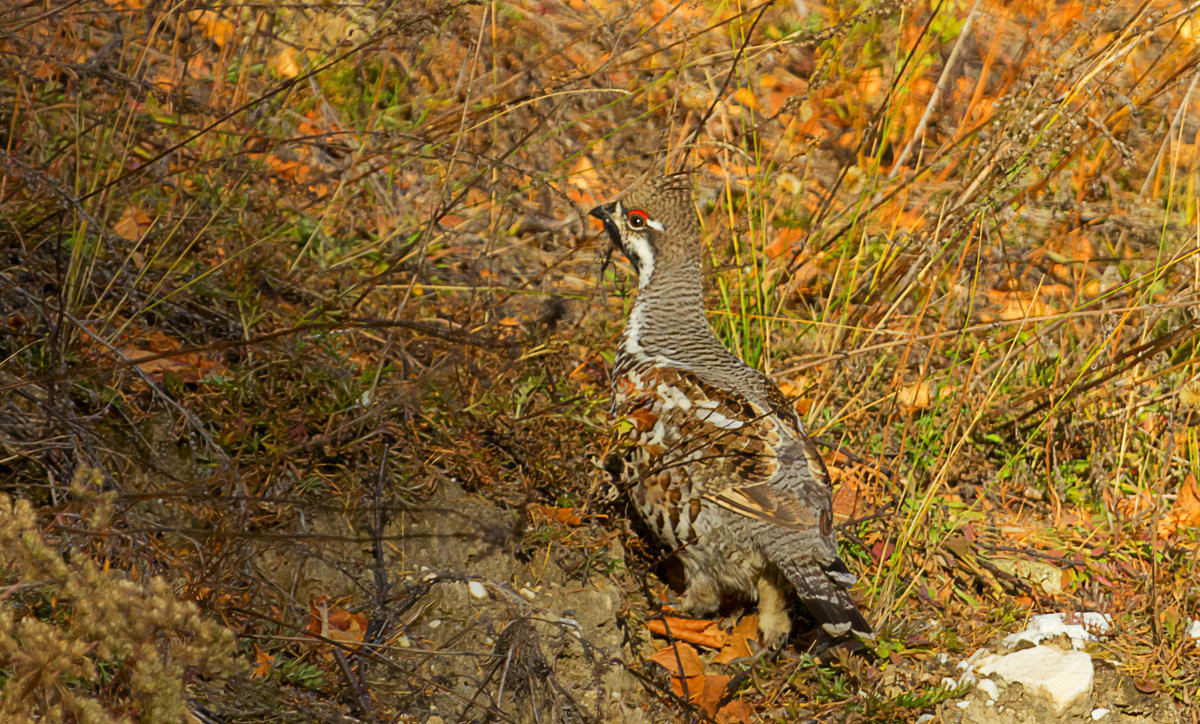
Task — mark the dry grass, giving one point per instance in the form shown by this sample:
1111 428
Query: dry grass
286 275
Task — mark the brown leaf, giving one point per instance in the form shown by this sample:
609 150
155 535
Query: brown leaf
697 631
190 366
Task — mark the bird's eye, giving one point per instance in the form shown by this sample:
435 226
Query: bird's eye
637 219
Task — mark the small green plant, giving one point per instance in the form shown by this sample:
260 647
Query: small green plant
297 672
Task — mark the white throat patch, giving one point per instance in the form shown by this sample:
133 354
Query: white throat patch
645 260
633 328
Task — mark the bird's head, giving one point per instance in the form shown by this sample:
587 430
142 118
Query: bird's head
654 225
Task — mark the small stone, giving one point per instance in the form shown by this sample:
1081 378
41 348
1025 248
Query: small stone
477 590
987 686
529 593
1063 678
1098 714
964 704
434 623
925 719
1193 630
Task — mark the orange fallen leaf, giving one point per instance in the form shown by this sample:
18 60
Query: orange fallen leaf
714 690
687 670
215 28
566 516
785 240
845 499
263 663
738 646
745 97
133 223
188 366
915 396
680 660
1132 506
735 712
1185 513
584 181
697 631
285 63
336 624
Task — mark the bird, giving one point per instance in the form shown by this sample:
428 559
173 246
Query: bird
713 454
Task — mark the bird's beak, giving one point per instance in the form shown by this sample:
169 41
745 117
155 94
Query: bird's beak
605 213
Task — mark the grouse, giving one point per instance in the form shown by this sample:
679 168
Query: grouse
716 459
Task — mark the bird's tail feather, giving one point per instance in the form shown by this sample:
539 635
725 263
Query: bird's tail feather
823 593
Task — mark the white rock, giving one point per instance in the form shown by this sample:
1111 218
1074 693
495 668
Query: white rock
477 589
1098 714
989 687
1063 678
1081 630
1193 629
925 719
964 704
974 658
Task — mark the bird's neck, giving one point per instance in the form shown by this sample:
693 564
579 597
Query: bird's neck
668 317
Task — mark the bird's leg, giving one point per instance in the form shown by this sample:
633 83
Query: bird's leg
773 622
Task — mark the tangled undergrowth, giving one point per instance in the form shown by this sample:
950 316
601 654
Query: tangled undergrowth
81 641
312 289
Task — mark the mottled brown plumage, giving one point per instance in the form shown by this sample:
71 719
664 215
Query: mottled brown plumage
717 461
